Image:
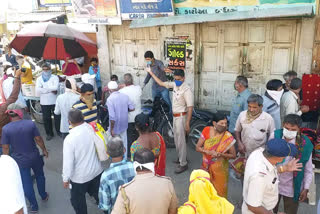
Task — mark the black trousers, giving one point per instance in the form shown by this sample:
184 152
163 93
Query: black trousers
99 94
290 206
132 135
78 194
47 112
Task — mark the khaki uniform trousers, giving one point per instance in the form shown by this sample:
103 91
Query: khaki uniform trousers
180 138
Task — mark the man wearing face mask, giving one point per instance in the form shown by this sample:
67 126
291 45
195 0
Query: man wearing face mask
271 100
147 192
261 178
47 86
157 67
94 69
254 126
182 114
87 104
294 186
290 101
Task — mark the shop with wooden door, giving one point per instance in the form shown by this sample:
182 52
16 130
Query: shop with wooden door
260 50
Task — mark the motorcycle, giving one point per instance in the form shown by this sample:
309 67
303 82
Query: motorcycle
199 120
103 116
160 119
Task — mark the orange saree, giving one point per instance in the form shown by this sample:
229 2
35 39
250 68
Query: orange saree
218 168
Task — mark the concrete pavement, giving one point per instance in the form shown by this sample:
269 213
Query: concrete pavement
59 201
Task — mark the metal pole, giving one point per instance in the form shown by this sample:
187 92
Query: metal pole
56 55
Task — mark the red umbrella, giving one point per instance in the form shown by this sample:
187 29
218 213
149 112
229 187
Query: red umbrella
53 41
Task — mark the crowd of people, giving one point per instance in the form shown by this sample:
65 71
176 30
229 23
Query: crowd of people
262 130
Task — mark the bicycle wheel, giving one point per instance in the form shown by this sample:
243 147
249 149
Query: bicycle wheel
195 131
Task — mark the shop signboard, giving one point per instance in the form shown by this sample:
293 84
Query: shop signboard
97 12
175 53
199 7
54 3
142 9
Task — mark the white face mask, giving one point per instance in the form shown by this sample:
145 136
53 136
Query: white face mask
289 134
276 95
149 166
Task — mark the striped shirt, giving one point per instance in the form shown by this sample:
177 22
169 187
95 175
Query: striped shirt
90 115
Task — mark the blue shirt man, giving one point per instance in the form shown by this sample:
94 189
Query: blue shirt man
11 57
22 137
118 105
94 69
120 172
240 103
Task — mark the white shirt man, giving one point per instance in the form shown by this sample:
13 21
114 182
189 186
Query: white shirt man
46 89
7 87
81 166
64 103
80 161
47 85
11 194
134 93
261 180
290 101
260 173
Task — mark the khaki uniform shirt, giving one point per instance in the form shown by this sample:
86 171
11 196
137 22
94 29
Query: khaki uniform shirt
148 194
256 133
182 97
260 186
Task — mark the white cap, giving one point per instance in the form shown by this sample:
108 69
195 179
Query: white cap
112 85
10 71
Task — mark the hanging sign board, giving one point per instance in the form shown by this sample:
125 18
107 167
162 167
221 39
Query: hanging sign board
104 12
142 9
203 7
175 53
54 3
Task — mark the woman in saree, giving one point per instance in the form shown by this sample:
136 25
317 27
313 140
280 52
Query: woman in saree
203 198
150 140
217 146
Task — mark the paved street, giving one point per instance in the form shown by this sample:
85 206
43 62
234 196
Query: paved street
59 197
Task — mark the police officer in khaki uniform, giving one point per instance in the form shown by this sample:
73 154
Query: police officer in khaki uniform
182 105
260 188
147 192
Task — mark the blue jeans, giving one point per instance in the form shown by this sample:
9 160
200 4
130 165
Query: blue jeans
27 183
165 96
